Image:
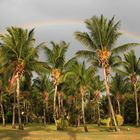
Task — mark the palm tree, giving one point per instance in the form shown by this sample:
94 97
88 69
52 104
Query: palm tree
97 87
57 65
3 83
100 42
1 105
119 86
131 69
44 86
20 57
70 86
14 111
83 77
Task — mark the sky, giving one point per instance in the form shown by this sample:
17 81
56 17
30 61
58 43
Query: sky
56 20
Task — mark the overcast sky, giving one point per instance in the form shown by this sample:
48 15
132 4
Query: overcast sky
64 17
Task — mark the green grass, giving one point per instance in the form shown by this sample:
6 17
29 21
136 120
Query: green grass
38 132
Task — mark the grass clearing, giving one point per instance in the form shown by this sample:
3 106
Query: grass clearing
38 132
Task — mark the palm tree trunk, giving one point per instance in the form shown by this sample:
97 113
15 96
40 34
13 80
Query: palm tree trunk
78 121
83 113
119 110
99 116
44 110
18 103
54 105
59 110
109 99
2 110
62 105
3 116
137 109
27 113
78 115
14 109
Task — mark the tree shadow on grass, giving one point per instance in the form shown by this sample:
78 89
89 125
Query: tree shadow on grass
72 136
13 134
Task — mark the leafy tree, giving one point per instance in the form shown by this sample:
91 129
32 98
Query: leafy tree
97 87
119 86
57 64
83 77
100 42
44 86
1 103
131 69
20 57
128 113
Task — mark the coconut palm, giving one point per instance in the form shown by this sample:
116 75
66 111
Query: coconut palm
131 69
3 83
83 77
20 57
1 105
119 85
56 60
70 86
100 42
96 88
44 86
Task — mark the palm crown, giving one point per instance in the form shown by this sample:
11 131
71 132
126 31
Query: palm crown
101 39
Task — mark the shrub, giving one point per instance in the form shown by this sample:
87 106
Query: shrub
62 124
120 120
106 121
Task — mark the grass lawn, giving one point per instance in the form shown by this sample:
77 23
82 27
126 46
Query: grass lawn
38 132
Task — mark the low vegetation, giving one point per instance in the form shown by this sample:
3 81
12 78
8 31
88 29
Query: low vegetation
39 132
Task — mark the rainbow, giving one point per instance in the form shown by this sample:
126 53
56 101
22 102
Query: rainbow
54 22
131 34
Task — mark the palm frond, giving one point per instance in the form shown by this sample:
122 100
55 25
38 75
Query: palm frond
121 72
85 39
85 54
125 47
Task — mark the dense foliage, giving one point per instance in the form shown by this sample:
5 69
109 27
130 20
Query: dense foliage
68 92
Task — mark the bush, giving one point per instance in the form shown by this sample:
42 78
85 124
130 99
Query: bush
62 124
120 120
106 121
8 116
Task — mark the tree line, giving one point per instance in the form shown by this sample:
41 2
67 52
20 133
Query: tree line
69 91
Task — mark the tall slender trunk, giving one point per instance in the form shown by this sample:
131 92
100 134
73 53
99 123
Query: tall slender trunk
78 120
54 105
62 105
27 113
44 111
3 116
109 99
99 116
59 108
83 113
89 106
137 108
47 110
119 110
2 110
18 102
78 115
14 109
98 106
